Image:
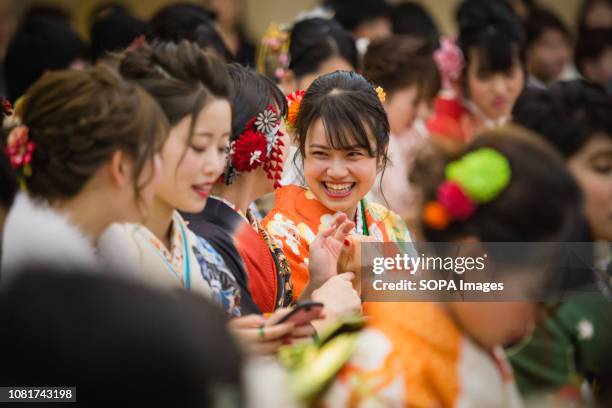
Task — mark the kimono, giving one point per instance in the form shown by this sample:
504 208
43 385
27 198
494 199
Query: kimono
190 263
297 217
254 258
571 346
413 355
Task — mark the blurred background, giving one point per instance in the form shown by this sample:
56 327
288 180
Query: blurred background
256 14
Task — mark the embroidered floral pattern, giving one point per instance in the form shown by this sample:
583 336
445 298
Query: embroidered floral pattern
297 216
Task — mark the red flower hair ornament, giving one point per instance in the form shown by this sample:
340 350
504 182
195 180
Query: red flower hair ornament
259 145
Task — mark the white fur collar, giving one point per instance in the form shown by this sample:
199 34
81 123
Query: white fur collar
35 233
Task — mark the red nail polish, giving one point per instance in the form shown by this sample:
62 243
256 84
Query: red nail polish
347 242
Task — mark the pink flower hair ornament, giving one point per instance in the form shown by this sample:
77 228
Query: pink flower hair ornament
20 149
450 62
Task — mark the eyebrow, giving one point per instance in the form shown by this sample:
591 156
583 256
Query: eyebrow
351 147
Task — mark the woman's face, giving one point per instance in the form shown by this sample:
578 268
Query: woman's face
337 178
190 170
592 167
548 55
401 107
494 93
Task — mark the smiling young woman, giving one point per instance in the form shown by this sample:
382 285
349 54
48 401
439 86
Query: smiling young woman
342 132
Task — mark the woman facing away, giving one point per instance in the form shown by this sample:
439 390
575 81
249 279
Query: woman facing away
85 152
449 353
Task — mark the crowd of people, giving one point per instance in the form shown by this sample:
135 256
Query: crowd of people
183 213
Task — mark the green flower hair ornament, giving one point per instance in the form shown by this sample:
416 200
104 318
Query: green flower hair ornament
483 174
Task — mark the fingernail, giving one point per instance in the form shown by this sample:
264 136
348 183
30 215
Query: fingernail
347 242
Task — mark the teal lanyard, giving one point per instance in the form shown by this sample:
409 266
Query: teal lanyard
187 268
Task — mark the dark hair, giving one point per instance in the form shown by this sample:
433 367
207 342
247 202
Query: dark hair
48 12
105 8
181 77
315 40
538 21
494 31
591 45
413 19
398 62
38 46
542 201
115 340
350 110
251 93
352 13
568 114
78 119
184 21
585 7
8 183
114 31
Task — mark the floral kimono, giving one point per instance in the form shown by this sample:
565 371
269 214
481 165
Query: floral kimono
190 263
298 216
413 355
254 257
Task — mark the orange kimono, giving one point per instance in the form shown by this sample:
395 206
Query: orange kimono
413 355
298 216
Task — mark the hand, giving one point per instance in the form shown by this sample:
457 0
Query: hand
325 250
260 336
338 296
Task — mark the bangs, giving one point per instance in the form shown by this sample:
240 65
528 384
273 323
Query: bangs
496 53
344 128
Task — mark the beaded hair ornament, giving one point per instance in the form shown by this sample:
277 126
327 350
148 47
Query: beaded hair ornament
477 178
258 145
19 148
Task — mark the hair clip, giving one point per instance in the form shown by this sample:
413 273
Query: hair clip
258 145
477 178
294 103
20 149
381 94
450 62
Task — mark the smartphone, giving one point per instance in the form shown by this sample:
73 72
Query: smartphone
303 313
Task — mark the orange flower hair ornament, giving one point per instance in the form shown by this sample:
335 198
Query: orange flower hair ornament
258 145
294 104
477 178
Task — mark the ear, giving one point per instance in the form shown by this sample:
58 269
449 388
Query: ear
288 82
120 169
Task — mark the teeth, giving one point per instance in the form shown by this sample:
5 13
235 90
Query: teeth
343 187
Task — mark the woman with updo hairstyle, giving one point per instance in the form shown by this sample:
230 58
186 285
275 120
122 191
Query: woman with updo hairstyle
342 133
191 88
483 74
85 152
448 351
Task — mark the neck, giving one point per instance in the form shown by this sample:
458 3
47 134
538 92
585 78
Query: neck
242 192
159 221
84 211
